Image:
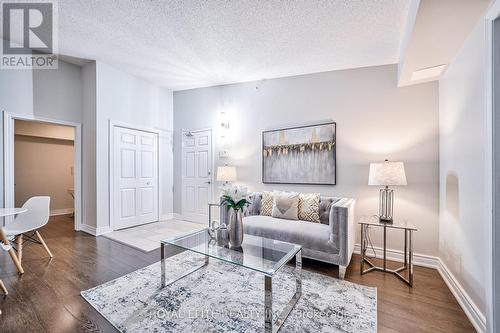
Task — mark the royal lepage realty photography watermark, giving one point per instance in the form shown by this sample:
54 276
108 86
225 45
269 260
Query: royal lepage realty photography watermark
29 35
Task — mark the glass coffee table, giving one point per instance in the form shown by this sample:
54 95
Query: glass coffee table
264 255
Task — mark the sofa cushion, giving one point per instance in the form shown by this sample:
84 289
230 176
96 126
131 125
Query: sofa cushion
313 236
309 207
325 205
285 205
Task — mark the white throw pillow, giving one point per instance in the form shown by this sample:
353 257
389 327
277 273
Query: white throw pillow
285 205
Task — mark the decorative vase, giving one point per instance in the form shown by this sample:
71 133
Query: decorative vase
235 228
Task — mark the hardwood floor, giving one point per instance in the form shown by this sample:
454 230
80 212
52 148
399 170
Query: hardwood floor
47 297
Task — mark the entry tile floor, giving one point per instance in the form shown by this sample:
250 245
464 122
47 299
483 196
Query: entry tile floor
147 237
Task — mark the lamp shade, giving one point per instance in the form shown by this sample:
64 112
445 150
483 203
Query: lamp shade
387 173
226 174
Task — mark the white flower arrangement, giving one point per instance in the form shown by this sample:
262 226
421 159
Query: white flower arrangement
235 197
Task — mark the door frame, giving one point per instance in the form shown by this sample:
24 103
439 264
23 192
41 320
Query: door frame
111 165
492 171
182 162
8 159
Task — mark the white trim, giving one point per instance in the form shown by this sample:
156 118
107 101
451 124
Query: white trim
165 217
8 162
88 229
492 323
423 260
62 211
177 216
112 124
95 231
476 317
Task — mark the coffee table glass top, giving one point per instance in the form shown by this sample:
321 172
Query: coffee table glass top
257 253
396 224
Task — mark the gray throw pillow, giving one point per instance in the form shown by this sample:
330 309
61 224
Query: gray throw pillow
285 205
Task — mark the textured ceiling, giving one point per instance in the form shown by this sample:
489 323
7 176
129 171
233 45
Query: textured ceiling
185 44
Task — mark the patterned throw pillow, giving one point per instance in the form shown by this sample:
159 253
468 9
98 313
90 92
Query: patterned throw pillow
309 207
285 205
266 203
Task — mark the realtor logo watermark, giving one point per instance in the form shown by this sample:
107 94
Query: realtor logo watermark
29 31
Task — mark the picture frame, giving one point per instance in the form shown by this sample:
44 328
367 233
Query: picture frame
303 155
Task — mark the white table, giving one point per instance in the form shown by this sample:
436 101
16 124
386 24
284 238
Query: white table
12 211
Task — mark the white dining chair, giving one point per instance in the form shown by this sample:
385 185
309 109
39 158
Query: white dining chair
26 225
6 247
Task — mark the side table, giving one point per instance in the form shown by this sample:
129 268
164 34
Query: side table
373 221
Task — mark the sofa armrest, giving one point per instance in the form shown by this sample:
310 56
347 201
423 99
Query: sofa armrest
342 219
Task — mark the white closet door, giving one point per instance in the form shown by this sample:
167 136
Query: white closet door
136 177
196 175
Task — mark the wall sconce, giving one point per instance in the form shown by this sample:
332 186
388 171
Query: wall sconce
224 120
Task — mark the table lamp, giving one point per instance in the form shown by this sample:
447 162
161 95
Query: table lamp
226 174
387 174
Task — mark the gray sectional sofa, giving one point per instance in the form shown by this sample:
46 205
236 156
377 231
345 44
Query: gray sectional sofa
330 241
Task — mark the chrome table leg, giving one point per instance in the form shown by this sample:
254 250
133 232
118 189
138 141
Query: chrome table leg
162 265
271 325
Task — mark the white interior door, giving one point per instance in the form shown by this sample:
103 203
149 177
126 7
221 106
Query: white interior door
196 175
135 177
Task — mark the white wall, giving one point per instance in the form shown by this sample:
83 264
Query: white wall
130 100
463 230
375 120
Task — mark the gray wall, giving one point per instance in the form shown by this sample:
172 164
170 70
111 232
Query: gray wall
375 120
16 96
463 234
57 94
43 93
93 95
131 101
89 210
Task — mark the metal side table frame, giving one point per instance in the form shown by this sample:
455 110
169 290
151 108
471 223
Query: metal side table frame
366 223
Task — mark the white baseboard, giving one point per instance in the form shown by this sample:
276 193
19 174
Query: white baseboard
88 229
168 216
472 312
476 317
63 211
423 260
95 231
177 216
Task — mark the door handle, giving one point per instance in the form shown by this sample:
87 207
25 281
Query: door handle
209 182
148 183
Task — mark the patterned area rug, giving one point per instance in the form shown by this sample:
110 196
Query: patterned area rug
226 298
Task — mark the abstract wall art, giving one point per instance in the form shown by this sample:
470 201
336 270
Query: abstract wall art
300 155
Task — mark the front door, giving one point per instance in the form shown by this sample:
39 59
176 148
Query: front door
135 177
196 175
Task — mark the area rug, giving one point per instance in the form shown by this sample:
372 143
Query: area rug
222 297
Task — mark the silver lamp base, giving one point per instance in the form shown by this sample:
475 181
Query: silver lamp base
386 204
